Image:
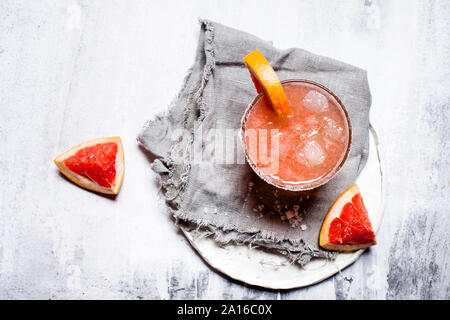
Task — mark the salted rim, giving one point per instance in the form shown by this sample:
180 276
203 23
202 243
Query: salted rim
297 187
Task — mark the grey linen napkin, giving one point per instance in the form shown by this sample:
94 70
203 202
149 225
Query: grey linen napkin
228 201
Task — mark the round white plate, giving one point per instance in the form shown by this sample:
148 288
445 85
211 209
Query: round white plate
269 270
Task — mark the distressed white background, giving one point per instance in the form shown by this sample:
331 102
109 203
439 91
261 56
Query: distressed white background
75 70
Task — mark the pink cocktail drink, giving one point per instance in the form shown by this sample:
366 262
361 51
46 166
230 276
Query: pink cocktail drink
303 150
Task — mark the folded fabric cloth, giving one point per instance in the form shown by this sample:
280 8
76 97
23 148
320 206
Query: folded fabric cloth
228 201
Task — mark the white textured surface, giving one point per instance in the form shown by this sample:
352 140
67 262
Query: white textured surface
75 70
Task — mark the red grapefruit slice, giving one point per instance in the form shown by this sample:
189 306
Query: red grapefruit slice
347 226
266 80
96 165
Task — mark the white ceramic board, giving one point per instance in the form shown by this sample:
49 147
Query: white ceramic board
269 270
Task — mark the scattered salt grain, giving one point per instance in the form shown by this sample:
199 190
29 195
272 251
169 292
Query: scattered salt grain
303 227
289 214
293 214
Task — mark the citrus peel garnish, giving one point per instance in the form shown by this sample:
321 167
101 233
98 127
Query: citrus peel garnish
266 80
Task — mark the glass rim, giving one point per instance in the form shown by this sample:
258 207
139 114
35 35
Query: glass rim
307 185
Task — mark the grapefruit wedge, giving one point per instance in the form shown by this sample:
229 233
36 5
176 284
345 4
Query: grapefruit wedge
347 226
266 80
97 165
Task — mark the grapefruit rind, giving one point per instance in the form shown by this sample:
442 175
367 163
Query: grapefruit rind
335 212
266 80
85 182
